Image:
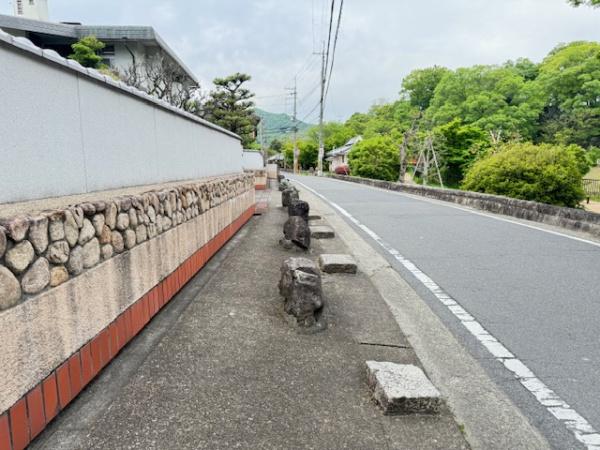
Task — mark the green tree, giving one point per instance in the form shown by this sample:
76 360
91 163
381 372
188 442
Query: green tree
309 154
570 81
490 97
420 85
85 52
594 3
545 173
376 157
459 146
230 106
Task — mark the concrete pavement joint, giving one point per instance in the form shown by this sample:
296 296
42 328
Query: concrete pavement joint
572 420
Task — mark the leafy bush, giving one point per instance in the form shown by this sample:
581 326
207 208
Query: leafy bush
376 158
85 52
545 173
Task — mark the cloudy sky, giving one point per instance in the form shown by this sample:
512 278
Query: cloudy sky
380 40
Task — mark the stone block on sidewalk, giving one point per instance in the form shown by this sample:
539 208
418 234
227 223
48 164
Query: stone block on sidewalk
337 263
314 217
297 231
299 208
402 388
300 286
284 184
288 195
321 232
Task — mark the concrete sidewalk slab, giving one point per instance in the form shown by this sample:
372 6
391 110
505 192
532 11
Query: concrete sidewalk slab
228 371
340 263
402 388
321 232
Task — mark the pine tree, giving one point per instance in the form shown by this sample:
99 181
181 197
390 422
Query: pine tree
230 106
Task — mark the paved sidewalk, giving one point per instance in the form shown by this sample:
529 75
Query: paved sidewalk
221 367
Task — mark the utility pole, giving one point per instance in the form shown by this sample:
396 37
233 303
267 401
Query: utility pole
261 134
322 110
294 93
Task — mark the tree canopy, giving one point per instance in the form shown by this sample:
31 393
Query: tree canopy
594 3
470 113
85 52
230 106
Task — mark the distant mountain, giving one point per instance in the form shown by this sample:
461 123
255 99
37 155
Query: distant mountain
279 126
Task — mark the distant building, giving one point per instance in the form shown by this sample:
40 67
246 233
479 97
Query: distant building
339 156
126 46
31 9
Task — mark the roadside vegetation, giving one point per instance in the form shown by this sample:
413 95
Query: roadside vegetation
541 118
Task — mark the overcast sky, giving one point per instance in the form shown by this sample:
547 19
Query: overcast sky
380 40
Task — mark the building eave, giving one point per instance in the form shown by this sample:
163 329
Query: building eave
102 32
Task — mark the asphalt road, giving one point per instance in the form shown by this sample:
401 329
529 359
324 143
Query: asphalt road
538 293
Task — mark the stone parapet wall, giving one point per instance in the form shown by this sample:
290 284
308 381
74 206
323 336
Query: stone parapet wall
119 260
569 218
45 251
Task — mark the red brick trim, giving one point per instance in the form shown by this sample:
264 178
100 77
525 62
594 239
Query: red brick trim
35 410
260 187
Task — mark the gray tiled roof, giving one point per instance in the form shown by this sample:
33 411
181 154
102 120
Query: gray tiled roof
345 149
102 32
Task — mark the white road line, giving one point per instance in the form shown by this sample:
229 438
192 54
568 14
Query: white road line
573 421
472 211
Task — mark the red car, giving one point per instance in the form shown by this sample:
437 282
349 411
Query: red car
342 169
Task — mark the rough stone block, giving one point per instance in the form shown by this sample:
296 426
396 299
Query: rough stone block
337 264
314 217
19 257
321 232
402 388
299 208
300 285
288 195
10 289
297 231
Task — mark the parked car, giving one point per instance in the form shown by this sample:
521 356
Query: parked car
342 169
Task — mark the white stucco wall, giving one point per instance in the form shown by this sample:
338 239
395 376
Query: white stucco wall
253 160
63 132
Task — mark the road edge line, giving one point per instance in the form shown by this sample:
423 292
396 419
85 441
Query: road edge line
489 417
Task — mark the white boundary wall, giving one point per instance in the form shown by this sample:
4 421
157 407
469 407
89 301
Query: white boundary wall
67 130
252 160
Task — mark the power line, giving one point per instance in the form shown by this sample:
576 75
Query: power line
310 112
329 35
337 32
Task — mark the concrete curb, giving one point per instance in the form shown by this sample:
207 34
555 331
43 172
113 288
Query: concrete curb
489 417
569 218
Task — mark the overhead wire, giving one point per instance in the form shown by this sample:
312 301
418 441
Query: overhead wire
337 32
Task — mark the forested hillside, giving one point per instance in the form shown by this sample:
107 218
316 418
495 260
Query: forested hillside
279 126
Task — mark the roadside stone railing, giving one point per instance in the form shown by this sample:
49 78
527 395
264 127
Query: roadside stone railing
46 250
569 218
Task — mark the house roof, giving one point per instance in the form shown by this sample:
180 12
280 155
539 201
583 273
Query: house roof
345 149
102 32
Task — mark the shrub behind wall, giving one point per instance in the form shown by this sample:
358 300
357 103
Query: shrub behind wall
545 173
